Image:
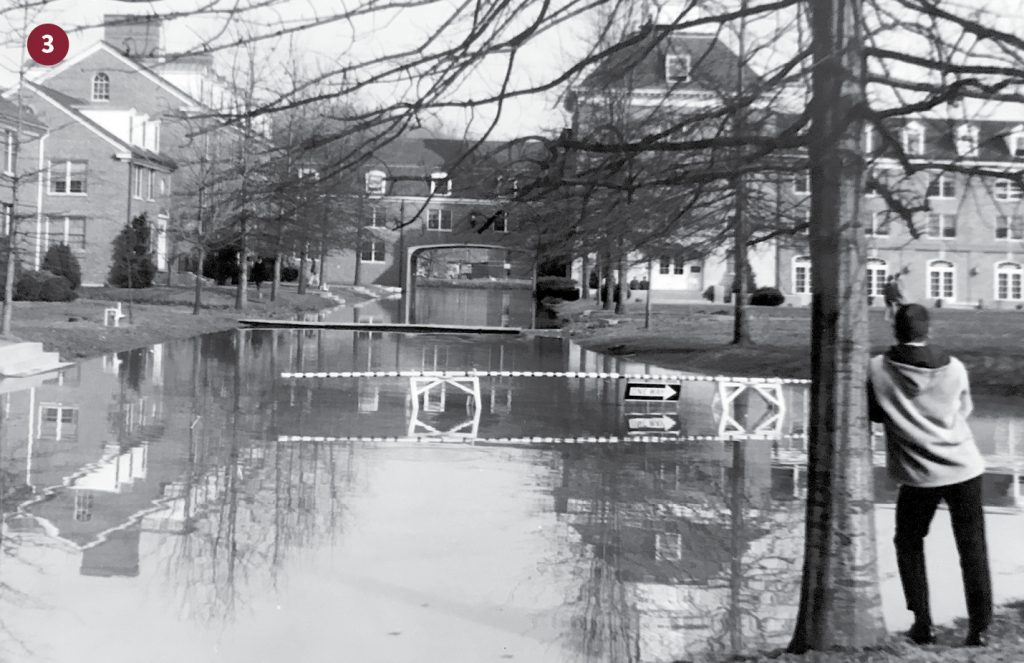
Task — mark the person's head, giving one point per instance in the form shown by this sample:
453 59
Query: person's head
911 324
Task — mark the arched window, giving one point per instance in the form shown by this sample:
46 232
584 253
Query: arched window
101 87
878 271
941 279
802 275
1009 281
376 182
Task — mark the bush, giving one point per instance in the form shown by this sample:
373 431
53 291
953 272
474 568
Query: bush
18 269
43 286
60 261
132 263
558 287
709 293
289 274
222 265
767 296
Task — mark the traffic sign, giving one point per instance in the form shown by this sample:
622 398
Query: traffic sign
652 391
650 422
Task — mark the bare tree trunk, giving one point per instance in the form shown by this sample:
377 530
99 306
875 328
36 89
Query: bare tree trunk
275 284
585 277
302 271
606 282
840 604
648 303
197 300
740 328
323 261
242 291
622 288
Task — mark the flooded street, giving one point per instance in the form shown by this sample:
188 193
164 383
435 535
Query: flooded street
187 503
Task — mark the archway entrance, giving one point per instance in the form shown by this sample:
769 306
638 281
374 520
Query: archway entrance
460 264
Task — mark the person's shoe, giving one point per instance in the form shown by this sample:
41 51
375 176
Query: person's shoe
921 634
976 638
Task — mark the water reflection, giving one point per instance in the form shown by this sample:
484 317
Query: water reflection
159 487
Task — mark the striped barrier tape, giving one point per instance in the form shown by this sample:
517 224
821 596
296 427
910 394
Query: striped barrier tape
631 439
539 374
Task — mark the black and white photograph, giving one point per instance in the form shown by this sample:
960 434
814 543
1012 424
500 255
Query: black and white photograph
550 331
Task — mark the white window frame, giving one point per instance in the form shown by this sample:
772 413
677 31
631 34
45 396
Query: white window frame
966 140
150 173
376 256
802 183
1015 142
879 220
8 152
101 87
879 269
912 138
943 268
1014 222
683 61
500 224
307 171
869 139
137 185
1007 189
1009 270
7 216
802 263
874 175
382 187
63 221
668 546
665 265
66 164
376 219
439 220
943 226
946 187
437 177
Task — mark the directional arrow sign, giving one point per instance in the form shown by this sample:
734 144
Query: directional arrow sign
659 422
651 391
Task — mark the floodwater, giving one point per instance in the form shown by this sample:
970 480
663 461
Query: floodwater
187 503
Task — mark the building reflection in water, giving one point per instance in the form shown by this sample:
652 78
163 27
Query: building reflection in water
169 462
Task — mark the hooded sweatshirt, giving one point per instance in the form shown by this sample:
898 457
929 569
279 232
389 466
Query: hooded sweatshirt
923 398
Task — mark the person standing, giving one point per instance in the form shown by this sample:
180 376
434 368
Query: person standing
893 296
922 397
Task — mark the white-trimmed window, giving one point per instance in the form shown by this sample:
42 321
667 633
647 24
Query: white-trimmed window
967 140
941 279
668 546
376 182
942 186
138 182
6 216
665 265
1015 141
307 172
68 177
376 218
940 226
1009 227
1008 190
60 229
869 139
1009 281
440 184
877 272
677 68
913 139
372 250
802 182
802 275
500 222
101 87
9 152
58 421
439 219
878 226
150 174
872 183
83 506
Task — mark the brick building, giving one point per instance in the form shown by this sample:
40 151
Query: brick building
102 167
420 191
27 133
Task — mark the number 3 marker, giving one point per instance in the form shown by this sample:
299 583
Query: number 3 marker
47 44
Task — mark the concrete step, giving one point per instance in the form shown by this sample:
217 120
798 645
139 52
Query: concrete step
21 359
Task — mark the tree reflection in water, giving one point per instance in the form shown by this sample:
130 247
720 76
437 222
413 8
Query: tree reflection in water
247 501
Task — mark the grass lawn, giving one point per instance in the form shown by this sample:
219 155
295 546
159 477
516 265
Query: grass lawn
697 337
75 329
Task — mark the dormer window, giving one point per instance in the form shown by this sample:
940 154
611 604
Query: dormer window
440 184
1015 141
677 68
376 182
101 87
913 139
967 140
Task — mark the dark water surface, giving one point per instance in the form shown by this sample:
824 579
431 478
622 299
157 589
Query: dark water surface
154 510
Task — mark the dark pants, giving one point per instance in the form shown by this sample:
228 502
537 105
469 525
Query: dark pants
914 511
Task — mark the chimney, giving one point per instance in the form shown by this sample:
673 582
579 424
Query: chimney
134 35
